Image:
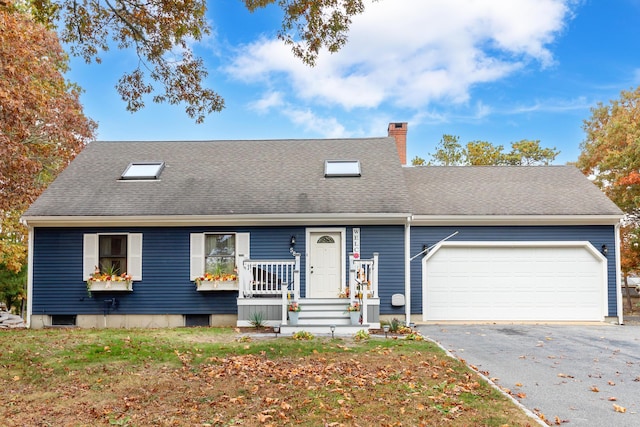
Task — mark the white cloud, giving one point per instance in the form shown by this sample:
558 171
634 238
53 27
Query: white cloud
267 102
311 122
552 106
412 53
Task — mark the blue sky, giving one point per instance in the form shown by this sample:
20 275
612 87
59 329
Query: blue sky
497 71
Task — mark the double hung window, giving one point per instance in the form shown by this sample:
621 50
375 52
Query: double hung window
220 254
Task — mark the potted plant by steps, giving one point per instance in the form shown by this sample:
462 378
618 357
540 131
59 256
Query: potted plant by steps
293 310
354 313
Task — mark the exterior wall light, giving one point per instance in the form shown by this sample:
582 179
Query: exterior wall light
604 250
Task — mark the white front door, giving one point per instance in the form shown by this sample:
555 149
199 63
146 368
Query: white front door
324 271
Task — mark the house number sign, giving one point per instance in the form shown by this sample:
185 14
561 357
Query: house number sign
356 243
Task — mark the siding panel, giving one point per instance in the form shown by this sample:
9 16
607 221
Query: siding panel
166 287
597 235
388 241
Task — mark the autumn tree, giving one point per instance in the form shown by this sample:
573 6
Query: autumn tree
449 152
611 150
610 154
162 34
42 126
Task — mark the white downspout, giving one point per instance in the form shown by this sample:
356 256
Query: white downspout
407 270
29 277
618 271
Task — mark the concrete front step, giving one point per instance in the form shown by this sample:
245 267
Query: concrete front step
341 330
332 314
324 320
324 305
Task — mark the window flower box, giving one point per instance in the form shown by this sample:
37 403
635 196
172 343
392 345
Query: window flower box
109 285
218 282
100 282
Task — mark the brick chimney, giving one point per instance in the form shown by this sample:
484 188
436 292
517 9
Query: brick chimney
398 130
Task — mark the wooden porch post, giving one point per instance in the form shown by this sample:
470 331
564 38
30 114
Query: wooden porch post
243 276
285 303
352 279
296 277
374 275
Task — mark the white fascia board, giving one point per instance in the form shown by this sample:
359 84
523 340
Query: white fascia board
211 220
519 244
488 220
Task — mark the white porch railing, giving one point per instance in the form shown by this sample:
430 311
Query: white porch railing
363 281
270 277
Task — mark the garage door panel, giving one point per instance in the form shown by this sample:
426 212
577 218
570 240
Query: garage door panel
513 283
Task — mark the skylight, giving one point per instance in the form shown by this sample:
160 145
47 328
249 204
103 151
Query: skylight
341 168
143 170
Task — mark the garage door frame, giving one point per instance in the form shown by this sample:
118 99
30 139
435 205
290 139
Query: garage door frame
599 257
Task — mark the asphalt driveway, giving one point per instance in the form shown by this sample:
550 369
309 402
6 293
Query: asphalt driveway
568 373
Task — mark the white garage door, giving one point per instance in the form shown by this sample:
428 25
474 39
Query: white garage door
524 281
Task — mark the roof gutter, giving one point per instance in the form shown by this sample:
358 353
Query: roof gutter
462 220
215 220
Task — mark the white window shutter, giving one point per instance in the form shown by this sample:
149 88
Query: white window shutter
243 248
134 256
196 253
89 255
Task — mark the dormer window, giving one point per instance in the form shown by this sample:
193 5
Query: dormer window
341 168
143 170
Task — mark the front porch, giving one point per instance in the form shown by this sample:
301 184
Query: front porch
268 287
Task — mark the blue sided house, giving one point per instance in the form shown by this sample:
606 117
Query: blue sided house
165 234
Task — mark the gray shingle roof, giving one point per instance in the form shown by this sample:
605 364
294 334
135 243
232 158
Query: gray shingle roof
503 190
229 178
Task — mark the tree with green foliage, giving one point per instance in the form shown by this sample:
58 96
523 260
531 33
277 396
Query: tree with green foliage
482 153
449 152
529 153
13 287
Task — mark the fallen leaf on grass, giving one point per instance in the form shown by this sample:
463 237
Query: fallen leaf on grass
263 418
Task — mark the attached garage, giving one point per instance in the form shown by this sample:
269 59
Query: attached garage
514 281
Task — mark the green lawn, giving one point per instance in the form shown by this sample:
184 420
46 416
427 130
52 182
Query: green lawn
218 377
